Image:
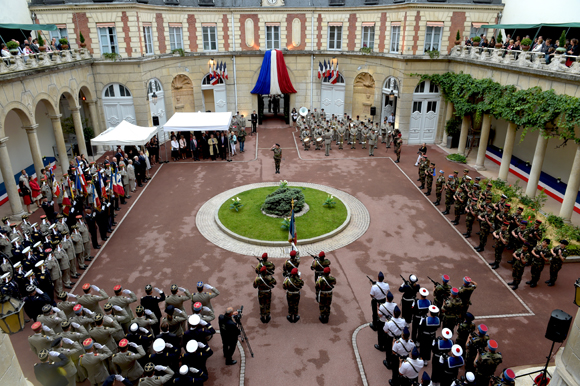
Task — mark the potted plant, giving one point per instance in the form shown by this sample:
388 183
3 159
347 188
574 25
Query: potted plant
562 43
526 44
12 47
499 40
41 42
63 43
453 129
457 38
82 40
476 41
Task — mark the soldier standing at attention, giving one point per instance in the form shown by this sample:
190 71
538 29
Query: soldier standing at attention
378 295
421 311
449 192
439 187
465 292
429 178
475 343
264 282
465 329
292 284
486 363
458 199
398 142
327 141
428 327
291 263
340 134
265 263
352 132
559 254
319 264
277 157
502 238
485 227
441 291
470 214
372 143
409 289
324 286
539 259
521 258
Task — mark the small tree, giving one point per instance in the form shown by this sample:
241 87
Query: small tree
458 36
562 39
40 40
499 37
476 39
81 37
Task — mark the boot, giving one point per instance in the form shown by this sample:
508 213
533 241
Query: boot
263 319
422 187
550 284
436 203
467 235
511 261
515 287
379 348
372 326
428 193
547 281
268 318
533 285
495 266
455 222
529 282
289 318
321 319
492 263
296 318
445 213
510 283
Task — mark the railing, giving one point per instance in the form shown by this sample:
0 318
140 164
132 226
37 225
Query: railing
527 59
15 64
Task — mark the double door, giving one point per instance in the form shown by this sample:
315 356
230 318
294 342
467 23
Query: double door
424 116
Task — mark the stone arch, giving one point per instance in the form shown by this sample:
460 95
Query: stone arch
86 90
70 96
25 115
48 102
182 93
363 95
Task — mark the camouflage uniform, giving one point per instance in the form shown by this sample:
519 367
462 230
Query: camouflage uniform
318 266
440 294
475 344
451 312
264 283
324 286
500 245
465 292
449 192
470 214
429 179
519 265
439 188
556 263
292 284
463 331
277 158
486 366
538 263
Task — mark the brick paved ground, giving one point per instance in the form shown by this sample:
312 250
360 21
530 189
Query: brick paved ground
158 243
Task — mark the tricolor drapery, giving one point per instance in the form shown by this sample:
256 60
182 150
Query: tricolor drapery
273 78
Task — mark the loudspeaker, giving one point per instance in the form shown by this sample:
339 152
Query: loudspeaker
558 326
373 111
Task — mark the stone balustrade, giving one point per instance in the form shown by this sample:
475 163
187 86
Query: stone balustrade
42 60
533 60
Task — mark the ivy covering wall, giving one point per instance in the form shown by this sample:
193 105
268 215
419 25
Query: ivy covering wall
533 109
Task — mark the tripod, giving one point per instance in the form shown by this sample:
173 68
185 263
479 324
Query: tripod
543 381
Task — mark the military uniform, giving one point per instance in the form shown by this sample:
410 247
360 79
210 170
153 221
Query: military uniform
95 365
477 342
486 365
353 132
264 282
502 238
72 352
429 178
441 293
485 228
91 302
470 215
464 330
439 187
559 254
465 292
428 328
127 363
340 131
449 193
327 142
177 300
324 286
372 143
521 257
459 199
318 265
277 158
204 297
292 284
451 310
156 380
539 257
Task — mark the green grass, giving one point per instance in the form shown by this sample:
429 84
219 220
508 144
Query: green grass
250 222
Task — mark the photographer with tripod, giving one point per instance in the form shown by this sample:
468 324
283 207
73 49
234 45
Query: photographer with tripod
229 333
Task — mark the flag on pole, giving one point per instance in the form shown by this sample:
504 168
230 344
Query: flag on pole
225 72
118 185
55 189
334 75
292 228
328 70
66 203
324 69
319 70
214 75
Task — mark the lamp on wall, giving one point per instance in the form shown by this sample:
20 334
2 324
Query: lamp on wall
392 95
154 98
211 63
577 293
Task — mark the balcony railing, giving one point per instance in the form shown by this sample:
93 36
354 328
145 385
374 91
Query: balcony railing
525 59
42 60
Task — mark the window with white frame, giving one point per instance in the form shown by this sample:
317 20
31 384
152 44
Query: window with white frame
209 32
477 30
175 36
335 36
108 38
433 37
272 36
368 35
60 33
148 38
395 37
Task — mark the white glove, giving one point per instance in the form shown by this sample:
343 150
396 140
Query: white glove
203 323
45 328
201 345
178 311
144 330
168 345
181 289
194 370
119 377
72 295
67 340
75 325
39 291
117 308
160 368
126 292
53 354
96 288
158 290
207 286
133 344
98 346
55 309
49 258
108 319
119 317
148 312
88 311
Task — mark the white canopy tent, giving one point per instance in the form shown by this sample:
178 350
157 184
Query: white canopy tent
199 122
125 133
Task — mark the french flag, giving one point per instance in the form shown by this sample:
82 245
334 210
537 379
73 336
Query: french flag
320 69
273 78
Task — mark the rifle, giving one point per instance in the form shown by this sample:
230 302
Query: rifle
434 282
374 282
405 281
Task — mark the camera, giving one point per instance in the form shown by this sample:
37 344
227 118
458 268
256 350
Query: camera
238 317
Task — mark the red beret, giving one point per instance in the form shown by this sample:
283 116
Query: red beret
264 256
43 216
79 216
88 342
199 305
294 271
293 253
77 307
263 269
321 254
48 250
86 286
326 270
36 326
117 288
123 343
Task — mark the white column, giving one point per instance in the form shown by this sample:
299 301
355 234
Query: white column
537 163
76 114
448 116
508 150
34 148
484 137
9 181
567 207
463 137
60 144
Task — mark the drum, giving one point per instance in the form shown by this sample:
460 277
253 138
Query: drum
319 139
306 139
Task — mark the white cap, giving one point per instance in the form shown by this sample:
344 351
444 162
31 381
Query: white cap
37 244
183 370
158 345
413 278
26 250
191 346
134 327
39 264
433 309
5 276
14 240
447 334
52 226
17 265
194 320
29 273
424 291
457 350
469 376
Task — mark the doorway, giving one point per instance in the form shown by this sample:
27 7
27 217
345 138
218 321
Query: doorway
214 95
390 97
424 113
332 96
274 107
